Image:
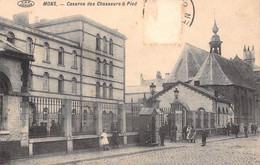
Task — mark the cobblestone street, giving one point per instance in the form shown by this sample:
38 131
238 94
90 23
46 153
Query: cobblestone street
233 151
219 150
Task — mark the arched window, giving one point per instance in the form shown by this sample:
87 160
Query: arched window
45 113
46 81
104 90
61 84
11 37
105 44
61 56
74 85
111 46
111 91
111 69
223 110
98 66
74 54
98 42
105 68
30 79
98 90
47 52
29 45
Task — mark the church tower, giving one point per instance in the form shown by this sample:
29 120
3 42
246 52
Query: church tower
215 43
249 56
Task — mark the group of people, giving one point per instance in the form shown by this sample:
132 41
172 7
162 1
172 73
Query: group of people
188 133
41 131
115 137
36 131
236 129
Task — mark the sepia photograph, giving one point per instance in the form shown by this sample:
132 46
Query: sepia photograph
127 82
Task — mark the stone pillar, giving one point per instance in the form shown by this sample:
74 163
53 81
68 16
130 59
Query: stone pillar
98 119
123 123
66 109
24 117
194 119
30 149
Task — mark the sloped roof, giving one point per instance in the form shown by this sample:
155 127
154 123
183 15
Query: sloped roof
188 65
198 89
10 50
217 70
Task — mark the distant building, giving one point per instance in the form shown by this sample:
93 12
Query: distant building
139 92
235 79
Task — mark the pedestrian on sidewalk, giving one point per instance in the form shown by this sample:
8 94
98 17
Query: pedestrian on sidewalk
228 128
162 132
245 129
103 140
173 133
184 132
252 128
193 135
204 136
237 129
189 133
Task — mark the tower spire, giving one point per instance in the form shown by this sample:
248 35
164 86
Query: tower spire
215 43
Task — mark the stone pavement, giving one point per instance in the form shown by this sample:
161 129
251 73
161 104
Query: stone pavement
79 157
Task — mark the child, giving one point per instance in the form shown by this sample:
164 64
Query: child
104 141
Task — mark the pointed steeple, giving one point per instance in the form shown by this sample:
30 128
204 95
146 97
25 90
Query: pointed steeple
215 43
215 28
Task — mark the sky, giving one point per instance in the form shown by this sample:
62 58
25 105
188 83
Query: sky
155 40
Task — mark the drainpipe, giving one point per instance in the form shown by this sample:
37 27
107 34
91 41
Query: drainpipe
81 70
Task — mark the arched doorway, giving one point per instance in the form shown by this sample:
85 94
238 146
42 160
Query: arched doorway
5 88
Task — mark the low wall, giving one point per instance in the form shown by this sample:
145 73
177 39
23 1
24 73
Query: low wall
12 150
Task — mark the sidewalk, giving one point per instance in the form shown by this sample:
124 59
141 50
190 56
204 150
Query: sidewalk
82 155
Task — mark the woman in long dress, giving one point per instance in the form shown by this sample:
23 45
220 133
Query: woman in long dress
104 141
189 133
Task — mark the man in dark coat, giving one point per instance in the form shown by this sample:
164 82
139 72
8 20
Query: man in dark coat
184 132
245 129
228 128
173 133
204 136
252 128
53 129
162 133
33 131
237 129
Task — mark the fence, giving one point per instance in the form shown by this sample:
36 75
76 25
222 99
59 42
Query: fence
48 117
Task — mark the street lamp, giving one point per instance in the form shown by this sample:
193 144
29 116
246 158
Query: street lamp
176 93
152 88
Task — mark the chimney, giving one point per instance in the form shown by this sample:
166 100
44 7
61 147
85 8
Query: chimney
21 18
216 93
197 83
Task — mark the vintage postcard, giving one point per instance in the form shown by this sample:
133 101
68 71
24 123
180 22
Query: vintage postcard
129 82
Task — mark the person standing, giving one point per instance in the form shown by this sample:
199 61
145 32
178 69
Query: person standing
104 141
204 136
184 132
162 133
228 128
255 127
189 133
193 134
174 133
245 129
252 128
237 129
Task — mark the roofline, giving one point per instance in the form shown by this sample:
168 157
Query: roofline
79 17
34 31
171 85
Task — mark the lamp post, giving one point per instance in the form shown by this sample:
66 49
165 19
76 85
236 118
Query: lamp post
174 106
152 88
176 94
